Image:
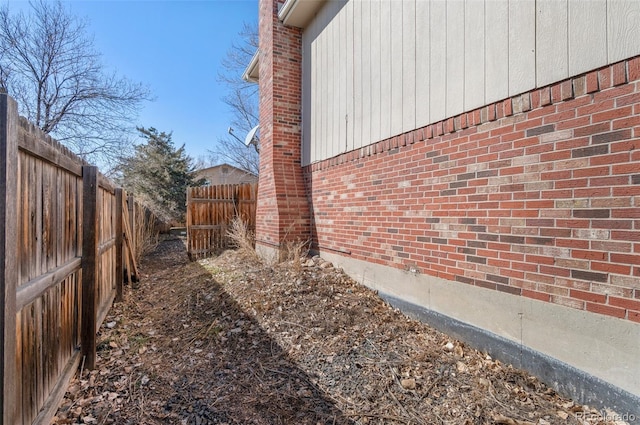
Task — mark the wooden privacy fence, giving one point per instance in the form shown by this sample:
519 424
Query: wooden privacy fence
61 245
210 211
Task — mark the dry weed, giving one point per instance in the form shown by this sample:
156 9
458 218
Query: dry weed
242 238
295 252
146 234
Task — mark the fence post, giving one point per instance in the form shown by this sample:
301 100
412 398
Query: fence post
119 218
8 254
89 264
188 219
132 223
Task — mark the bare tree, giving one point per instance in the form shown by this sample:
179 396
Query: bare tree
242 99
49 64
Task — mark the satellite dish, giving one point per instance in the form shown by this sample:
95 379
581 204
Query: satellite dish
251 138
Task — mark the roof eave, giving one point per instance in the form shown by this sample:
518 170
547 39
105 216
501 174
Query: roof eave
251 74
298 13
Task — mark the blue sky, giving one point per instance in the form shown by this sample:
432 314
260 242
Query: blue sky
176 48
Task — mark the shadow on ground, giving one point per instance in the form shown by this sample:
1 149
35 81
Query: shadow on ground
230 341
197 358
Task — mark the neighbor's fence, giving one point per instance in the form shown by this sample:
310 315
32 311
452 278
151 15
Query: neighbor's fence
210 211
63 229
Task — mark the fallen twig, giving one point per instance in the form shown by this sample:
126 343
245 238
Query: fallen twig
106 416
386 417
503 420
197 335
433 384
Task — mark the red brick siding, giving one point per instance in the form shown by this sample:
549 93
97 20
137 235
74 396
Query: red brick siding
283 207
537 195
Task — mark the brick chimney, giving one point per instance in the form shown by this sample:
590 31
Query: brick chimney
283 207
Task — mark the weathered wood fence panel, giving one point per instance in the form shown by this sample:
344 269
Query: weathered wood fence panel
62 268
48 275
107 277
210 211
8 255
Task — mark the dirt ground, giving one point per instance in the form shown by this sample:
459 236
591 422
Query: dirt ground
228 340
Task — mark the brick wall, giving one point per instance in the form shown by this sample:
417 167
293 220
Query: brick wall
537 196
283 207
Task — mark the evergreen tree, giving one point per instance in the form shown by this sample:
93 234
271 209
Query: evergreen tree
159 175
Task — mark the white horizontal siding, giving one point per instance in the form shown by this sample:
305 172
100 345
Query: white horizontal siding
374 69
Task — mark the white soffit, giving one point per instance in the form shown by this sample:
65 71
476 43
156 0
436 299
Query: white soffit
251 74
295 13
298 13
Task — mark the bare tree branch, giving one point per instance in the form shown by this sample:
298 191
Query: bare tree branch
49 64
242 99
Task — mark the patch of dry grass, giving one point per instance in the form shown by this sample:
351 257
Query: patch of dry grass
242 238
146 235
295 251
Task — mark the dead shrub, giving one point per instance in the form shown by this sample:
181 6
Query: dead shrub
295 252
242 238
146 231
